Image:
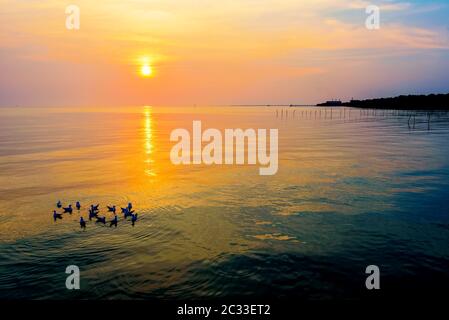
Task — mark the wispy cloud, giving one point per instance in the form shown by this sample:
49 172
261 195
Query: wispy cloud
383 5
237 43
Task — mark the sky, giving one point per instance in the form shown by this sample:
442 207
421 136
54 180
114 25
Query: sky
210 52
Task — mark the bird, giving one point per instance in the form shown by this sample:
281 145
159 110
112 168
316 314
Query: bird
101 220
128 213
124 210
111 209
95 207
114 222
78 205
130 206
56 215
68 209
59 204
134 218
92 214
82 223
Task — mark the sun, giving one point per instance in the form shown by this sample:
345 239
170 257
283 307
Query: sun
146 70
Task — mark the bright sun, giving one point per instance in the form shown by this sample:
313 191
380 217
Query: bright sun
146 70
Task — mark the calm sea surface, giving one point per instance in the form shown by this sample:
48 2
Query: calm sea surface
354 188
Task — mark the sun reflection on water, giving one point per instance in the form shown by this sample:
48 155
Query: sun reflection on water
148 138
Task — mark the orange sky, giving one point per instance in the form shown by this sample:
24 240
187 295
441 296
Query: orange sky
219 52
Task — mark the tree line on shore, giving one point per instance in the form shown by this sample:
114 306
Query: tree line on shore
408 102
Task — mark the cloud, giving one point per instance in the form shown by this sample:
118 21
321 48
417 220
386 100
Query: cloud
384 6
203 49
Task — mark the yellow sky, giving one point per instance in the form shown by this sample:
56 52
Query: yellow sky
203 51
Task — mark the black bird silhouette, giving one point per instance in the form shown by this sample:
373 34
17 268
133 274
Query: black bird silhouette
68 209
92 214
94 209
114 222
78 205
101 220
59 204
56 215
128 214
82 223
111 209
134 218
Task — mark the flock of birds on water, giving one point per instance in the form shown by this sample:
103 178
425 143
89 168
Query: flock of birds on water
94 214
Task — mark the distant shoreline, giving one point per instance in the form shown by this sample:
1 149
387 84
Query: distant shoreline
403 102
410 102
436 102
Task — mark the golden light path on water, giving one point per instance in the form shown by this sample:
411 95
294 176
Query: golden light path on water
148 140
